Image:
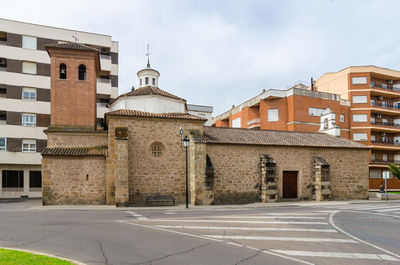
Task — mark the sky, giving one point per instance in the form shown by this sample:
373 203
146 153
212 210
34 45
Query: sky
221 53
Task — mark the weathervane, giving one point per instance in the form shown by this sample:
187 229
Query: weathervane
148 55
75 37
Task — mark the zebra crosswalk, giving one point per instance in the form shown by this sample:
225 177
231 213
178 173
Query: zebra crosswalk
308 237
392 208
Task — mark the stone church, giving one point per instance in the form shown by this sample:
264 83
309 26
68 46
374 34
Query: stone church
140 153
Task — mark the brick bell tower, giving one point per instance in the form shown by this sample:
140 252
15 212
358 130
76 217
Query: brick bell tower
74 69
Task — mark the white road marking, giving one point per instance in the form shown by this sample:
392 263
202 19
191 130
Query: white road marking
238 222
169 213
247 228
278 238
358 239
307 213
336 255
388 210
220 241
267 217
138 216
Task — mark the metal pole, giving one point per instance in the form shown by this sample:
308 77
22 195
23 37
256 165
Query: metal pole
386 176
187 184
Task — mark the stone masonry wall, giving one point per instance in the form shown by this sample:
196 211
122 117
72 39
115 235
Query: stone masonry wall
237 167
68 139
76 180
150 175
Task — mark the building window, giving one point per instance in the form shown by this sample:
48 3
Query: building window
29 93
375 173
315 111
29 120
3 146
341 117
384 104
360 136
359 99
373 138
359 80
157 150
82 72
3 91
154 81
63 71
236 123
140 81
13 179
372 102
360 117
3 36
397 158
3 64
35 179
29 68
384 157
273 115
3 117
28 145
385 121
146 80
29 42
373 156
373 120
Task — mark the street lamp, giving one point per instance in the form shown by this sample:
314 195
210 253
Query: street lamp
186 145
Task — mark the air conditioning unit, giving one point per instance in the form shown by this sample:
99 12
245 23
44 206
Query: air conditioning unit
380 97
379 115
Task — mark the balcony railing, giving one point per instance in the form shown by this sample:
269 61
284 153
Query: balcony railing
253 121
385 86
385 141
385 161
385 105
390 124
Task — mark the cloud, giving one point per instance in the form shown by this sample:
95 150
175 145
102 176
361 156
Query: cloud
221 53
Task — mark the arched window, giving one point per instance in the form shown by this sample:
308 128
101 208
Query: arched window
63 71
146 80
82 72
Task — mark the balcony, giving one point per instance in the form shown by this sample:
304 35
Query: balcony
385 105
386 124
392 87
381 161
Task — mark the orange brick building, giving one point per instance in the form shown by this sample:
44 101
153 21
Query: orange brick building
295 109
374 95
366 100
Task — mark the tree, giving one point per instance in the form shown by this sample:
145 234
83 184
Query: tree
395 170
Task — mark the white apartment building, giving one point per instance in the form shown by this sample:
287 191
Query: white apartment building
25 97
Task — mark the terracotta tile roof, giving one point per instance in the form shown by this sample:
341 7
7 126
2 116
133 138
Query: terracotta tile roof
218 135
148 90
71 46
72 130
137 113
76 151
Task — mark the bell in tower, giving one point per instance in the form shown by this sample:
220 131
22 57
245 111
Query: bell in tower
74 69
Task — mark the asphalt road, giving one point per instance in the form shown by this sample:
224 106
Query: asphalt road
309 233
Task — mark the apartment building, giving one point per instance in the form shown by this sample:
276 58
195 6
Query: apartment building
374 93
25 97
295 109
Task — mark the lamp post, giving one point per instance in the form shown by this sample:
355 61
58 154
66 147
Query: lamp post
186 145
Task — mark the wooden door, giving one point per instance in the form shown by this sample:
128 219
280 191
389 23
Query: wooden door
289 185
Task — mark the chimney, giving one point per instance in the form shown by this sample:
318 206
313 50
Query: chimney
312 85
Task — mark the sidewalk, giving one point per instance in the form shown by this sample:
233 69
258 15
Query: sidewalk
181 207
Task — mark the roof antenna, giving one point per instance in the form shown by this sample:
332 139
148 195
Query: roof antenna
75 37
148 55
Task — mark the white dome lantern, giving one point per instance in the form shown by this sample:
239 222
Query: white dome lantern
148 76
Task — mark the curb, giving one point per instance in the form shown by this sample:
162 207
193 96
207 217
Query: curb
195 208
45 254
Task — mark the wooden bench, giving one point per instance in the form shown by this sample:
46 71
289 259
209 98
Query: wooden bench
160 199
